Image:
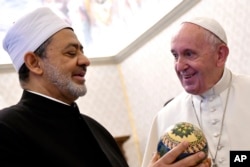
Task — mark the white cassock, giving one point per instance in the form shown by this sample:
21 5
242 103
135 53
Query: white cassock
207 113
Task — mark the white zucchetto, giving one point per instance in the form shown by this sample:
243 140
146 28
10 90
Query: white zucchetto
210 25
29 32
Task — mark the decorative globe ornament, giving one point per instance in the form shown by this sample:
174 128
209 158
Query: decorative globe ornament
183 131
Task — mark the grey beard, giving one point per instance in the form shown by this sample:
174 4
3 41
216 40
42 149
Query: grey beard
63 82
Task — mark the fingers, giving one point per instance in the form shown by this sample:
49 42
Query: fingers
206 163
194 160
171 156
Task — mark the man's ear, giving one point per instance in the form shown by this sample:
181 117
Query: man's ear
33 62
223 52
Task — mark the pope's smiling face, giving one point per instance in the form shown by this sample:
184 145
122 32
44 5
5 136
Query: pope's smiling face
197 61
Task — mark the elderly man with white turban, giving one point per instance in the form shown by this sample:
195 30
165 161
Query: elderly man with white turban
46 128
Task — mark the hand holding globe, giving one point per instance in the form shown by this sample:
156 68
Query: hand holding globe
183 131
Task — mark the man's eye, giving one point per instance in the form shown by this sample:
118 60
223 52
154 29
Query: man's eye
72 53
175 56
188 54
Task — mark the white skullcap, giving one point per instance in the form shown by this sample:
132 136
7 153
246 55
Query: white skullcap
29 32
210 25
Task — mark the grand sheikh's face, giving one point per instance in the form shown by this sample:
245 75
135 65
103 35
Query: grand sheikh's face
65 66
195 60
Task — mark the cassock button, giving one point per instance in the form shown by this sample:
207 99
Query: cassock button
214 121
221 160
220 147
216 134
213 110
210 98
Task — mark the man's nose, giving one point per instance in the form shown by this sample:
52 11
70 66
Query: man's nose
181 64
83 60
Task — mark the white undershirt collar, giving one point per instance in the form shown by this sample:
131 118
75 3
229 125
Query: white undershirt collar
48 97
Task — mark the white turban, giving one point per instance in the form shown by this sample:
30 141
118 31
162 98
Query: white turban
29 32
210 25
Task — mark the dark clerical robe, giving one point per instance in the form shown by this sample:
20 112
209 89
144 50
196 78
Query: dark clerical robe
41 132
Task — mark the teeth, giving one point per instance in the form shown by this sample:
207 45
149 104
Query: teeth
188 76
185 75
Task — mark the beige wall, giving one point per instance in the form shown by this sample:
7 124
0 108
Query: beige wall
125 97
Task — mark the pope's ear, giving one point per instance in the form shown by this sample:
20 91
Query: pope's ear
32 61
223 52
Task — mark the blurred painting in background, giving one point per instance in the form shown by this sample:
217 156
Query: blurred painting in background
103 26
